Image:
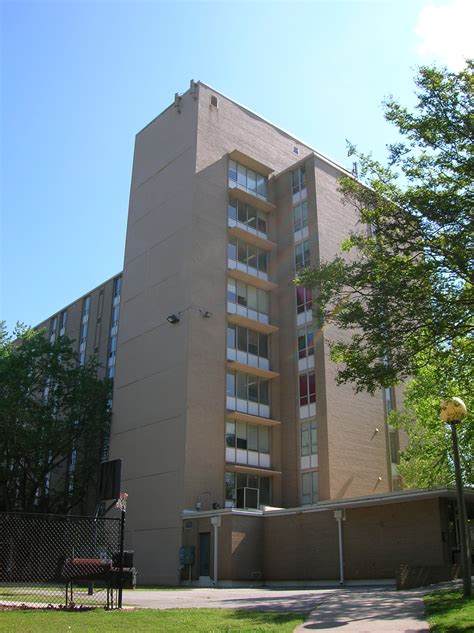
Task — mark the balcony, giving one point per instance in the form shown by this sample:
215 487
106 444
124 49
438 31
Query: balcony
241 315
250 163
250 407
245 457
252 236
246 358
244 273
251 419
248 180
244 195
252 470
249 369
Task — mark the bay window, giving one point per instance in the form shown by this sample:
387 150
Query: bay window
246 216
247 444
247 393
247 179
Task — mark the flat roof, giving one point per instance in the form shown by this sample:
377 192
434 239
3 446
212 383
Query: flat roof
340 504
318 154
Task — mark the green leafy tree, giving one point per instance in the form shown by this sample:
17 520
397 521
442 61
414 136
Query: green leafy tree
403 283
427 461
54 418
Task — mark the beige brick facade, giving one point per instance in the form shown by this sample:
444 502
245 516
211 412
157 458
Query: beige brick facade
171 395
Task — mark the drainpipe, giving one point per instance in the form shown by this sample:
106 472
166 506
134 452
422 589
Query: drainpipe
340 516
216 522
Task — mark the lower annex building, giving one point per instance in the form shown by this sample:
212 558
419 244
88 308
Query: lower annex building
225 402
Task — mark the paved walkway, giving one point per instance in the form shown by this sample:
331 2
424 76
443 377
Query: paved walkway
368 611
348 610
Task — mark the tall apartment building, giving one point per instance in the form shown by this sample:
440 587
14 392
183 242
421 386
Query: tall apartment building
225 401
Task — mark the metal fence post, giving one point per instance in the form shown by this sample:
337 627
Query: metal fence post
122 538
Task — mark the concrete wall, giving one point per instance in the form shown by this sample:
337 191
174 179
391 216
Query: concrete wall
149 424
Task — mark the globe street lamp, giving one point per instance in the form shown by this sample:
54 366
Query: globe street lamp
453 411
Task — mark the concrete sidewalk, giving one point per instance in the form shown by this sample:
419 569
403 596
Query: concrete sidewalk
349 609
368 611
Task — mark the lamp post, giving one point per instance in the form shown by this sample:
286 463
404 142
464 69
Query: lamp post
453 411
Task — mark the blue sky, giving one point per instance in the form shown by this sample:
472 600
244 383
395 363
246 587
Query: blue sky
79 79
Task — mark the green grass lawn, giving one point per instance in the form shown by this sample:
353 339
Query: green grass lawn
449 612
150 620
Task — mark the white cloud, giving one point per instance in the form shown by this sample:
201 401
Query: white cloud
445 32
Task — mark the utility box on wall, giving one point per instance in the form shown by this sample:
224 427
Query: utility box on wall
186 554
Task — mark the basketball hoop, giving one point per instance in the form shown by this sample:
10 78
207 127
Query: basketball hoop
122 502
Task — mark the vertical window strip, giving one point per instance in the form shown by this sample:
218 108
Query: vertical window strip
305 341
309 438
304 299
310 487
307 388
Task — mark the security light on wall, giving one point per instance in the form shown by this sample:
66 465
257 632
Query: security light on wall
173 319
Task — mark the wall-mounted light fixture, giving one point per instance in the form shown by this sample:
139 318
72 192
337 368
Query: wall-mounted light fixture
173 319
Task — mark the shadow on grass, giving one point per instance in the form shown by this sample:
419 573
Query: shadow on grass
450 612
261 618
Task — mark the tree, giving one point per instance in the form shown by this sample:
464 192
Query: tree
403 284
427 460
54 418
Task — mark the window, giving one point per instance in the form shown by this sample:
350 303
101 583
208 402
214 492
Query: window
247 179
247 387
389 400
304 299
309 487
113 346
305 341
251 441
117 286
247 215
393 445
302 254
309 439
86 306
236 483
115 315
83 335
298 179
247 296
300 216
53 328
246 340
307 388
62 323
247 254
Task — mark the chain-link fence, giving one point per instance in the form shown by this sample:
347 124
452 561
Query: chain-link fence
55 560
